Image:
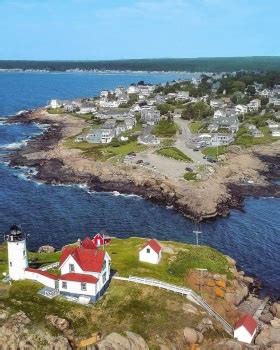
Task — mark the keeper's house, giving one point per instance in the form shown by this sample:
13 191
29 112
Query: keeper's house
84 273
151 252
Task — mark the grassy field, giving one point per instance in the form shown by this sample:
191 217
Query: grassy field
245 139
125 306
173 152
212 151
55 110
165 129
104 152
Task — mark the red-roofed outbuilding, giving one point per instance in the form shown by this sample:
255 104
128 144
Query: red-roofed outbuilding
245 329
150 252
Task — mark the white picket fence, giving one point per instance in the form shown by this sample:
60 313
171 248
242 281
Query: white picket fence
189 293
50 266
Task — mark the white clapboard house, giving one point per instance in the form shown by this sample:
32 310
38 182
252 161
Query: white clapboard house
245 329
84 269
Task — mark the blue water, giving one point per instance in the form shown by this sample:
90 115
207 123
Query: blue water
60 214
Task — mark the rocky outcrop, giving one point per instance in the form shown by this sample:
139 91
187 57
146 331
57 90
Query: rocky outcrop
268 336
46 249
128 341
16 333
275 310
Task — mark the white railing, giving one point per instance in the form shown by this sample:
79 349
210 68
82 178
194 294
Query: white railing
189 293
50 266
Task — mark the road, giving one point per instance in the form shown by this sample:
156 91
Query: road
184 141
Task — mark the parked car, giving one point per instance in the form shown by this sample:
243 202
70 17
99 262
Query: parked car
146 163
132 154
140 161
196 149
189 169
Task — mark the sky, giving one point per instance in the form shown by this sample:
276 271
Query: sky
122 29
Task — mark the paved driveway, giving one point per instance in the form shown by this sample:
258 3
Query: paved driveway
184 141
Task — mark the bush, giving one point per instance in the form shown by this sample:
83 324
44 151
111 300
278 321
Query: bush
165 128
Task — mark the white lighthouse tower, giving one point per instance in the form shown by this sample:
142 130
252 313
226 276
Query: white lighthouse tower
17 254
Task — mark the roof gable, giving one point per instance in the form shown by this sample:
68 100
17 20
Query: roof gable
154 245
248 322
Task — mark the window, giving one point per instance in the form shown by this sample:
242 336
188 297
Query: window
104 278
83 286
64 285
148 250
11 264
71 268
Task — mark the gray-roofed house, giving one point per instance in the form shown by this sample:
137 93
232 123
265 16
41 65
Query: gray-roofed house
150 115
100 135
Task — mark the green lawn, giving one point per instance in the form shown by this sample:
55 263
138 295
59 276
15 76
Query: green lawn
245 139
195 127
125 306
173 152
55 110
104 152
165 128
212 151
124 254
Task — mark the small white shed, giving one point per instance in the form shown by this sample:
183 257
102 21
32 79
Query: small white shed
245 329
151 252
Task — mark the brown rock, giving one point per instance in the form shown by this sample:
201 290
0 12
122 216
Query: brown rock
46 249
221 283
191 336
275 310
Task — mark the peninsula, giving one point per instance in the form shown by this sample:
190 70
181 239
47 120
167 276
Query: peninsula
200 146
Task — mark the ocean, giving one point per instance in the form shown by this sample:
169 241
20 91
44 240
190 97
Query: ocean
57 215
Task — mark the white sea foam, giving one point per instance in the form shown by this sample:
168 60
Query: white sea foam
14 145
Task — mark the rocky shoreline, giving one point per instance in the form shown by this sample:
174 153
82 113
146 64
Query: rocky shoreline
253 174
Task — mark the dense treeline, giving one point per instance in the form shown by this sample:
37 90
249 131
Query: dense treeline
181 64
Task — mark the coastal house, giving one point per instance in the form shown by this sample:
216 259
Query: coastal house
275 133
148 140
245 329
55 104
100 135
87 108
272 124
182 96
254 105
150 115
150 252
256 133
132 89
221 139
241 109
215 104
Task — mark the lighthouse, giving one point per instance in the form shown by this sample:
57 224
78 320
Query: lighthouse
17 254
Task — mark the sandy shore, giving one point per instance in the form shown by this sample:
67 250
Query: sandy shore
242 173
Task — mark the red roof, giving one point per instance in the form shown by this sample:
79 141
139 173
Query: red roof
78 277
43 273
90 260
154 245
88 243
248 322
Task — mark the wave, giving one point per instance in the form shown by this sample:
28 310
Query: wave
14 145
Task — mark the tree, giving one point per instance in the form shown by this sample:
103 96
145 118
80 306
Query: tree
115 142
197 111
251 90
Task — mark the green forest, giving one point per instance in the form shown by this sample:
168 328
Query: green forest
214 64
